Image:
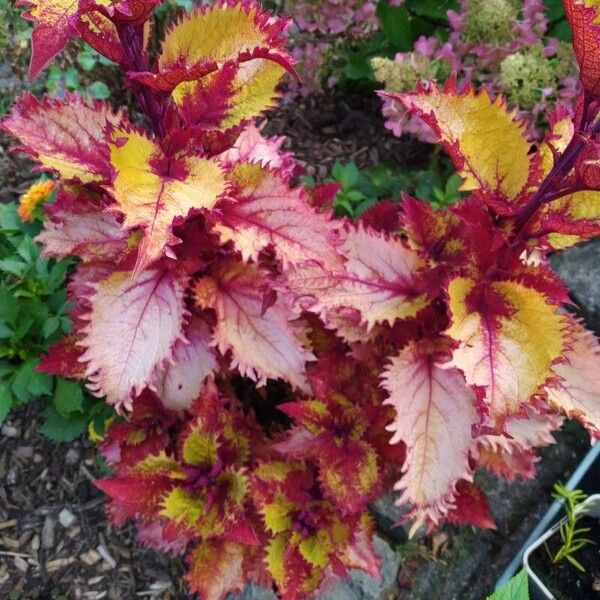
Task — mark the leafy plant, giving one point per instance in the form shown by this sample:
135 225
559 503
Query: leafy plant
205 275
34 316
516 588
361 189
571 533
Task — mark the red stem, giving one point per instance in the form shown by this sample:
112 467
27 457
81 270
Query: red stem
546 192
152 103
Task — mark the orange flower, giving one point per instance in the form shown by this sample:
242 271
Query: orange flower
33 197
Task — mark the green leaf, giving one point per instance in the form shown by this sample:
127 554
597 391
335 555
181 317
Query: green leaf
516 588
433 9
6 401
348 174
358 67
562 31
60 428
71 78
28 250
5 330
99 90
50 326
68 397
9 219
554 10
395 22
28 383
87 59
14 266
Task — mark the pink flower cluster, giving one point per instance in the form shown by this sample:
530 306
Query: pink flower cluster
326 19
351 17
500 45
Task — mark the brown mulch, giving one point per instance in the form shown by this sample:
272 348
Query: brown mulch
55 542
323 129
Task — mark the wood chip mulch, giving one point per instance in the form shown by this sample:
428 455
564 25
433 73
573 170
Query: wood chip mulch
55 542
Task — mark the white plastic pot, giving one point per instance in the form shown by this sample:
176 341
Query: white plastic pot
537 590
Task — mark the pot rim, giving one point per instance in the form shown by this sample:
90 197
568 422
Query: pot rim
594 499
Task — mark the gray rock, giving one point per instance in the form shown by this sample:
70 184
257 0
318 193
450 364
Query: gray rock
360 586
579 267
386 513
48 532
254 592
66 518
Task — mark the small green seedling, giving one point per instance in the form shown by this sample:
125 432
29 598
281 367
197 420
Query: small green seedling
571 533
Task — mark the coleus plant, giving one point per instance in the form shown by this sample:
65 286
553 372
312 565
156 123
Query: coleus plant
202 270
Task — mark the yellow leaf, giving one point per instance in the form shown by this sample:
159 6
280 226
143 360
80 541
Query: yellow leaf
218 33
200 448
182 507
558 139
484 139
316 549
152 190
578 206
278 514
159 464
252 91
275 557
509 355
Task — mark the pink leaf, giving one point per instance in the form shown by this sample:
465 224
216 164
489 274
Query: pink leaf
577 392
262 345
252 147
266 212
133 325
435 411
80 228
380 280
179 383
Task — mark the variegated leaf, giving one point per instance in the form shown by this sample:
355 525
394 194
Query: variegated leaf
577 392
152 190
68 136
502 347
435 411
134 322
179 382
476 132
264 342
380 280
266 212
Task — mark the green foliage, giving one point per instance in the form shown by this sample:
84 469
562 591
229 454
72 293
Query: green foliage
558 26
79 76
514 589
571 534
33 316
361 189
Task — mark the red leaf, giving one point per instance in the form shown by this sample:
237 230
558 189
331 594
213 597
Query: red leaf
583 19
63 359
216 569
471 508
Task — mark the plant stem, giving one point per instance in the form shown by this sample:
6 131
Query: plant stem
153 104
559 171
